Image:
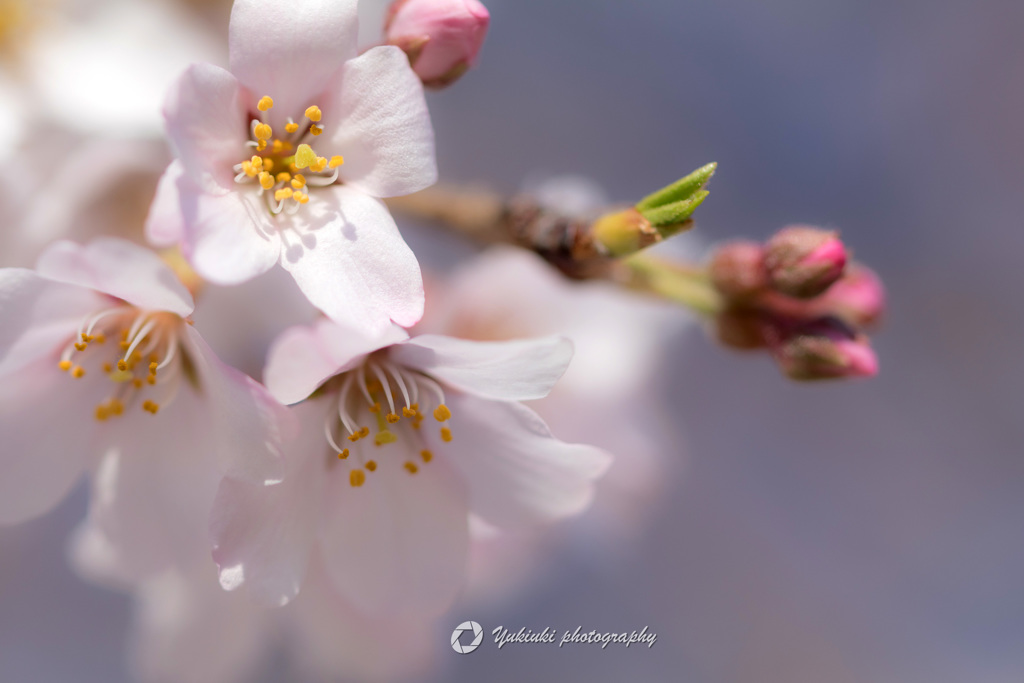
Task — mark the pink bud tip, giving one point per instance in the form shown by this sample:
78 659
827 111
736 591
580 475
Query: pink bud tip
441 37
824 349
803 261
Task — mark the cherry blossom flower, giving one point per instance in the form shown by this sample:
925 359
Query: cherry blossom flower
283 159
101 370
401 439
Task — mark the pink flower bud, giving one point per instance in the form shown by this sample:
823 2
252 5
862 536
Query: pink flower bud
822 349
858 297
441 37
737 270
803 261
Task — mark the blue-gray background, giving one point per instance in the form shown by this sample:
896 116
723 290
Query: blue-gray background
853 532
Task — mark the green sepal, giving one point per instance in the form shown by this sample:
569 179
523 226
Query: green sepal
682 189
676 212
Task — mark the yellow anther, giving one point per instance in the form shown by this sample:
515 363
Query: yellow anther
319 165
301 197
357 478
283 193
266 180
371 465
336 161
283 177
442 414
411 467
304 156
291 126
375 408
316 130
343 454
122 365
313 113
78 372
80 346
299 181
446 434
64 365
392 418
263 131
426 455
265 103
384 437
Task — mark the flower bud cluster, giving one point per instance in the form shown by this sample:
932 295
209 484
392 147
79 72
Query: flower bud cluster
797 296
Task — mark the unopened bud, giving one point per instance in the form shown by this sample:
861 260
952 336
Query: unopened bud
823 349
441 37
737 270
858 297
803 261
624 232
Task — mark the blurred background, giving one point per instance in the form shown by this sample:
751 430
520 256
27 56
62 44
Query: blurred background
850 532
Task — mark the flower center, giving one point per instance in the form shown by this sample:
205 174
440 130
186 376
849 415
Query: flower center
146 361
286 167
389 397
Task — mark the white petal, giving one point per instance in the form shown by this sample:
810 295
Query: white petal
207 125
398 544
289 51
165 226
263 533
37 316
187 630
518 473
118 268
48 428
247 426
379 122
333 640
153 490
302 358
354 265
229 238
503 371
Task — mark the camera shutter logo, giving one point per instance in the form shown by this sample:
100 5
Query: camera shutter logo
467 627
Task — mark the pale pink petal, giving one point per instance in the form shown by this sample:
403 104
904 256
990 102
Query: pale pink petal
379 122
153 489
397 545
165 226
354 265
187 630
247 426
503 371
289 50
230 238
118 268
38 316
518 473
48 429
207 125
263 533
332 639
302 358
